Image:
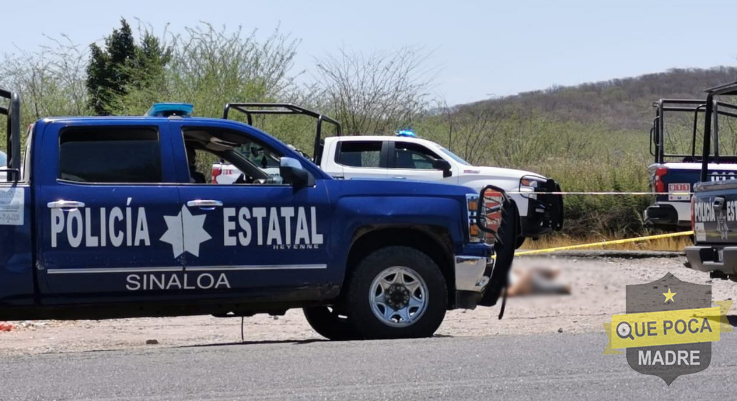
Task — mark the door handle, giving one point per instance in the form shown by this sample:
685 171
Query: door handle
399 178
204 203
718 202
64 204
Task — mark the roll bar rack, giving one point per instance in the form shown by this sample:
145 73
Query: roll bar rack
722 90
12 112
694 106
249 109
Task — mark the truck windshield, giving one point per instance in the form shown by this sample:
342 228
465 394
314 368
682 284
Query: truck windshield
454 156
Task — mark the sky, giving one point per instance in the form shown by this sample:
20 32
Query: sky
478 49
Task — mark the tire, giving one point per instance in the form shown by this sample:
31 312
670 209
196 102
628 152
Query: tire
327 323
504 250
416 287
519 242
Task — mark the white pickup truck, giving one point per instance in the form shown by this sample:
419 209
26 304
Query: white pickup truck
410 158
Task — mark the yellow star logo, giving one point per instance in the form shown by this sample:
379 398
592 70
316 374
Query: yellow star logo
669 296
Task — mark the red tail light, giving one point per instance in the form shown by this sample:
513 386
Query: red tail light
216 171
659 185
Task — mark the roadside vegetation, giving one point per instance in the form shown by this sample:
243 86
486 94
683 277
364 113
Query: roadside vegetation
675 244
592 137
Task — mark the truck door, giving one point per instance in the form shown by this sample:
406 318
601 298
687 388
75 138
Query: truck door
257 233
103 204
361 159
413 161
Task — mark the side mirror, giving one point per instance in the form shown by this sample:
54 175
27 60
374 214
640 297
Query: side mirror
442 165
293 173
492 201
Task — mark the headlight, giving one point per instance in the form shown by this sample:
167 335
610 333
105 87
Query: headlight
473 203
472 207
530 184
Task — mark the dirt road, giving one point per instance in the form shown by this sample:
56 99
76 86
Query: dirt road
598 292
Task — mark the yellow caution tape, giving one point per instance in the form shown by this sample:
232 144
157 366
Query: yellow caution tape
604 243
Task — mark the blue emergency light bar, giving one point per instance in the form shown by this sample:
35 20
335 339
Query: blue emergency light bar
170 109
406 133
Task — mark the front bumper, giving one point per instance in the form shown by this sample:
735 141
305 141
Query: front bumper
471 273
544 212
722 261
473 269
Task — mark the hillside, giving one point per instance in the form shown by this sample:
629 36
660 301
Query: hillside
621 104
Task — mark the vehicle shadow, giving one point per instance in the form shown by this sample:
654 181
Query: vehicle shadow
264 342
293 342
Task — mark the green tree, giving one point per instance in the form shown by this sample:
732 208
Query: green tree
122 65
147 75
108 73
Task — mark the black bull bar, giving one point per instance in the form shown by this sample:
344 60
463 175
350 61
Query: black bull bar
547 208
493 207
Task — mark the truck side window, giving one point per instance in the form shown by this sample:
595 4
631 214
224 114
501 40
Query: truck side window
255 162
360 153
413 156
110 155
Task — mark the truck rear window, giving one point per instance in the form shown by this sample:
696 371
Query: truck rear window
110 155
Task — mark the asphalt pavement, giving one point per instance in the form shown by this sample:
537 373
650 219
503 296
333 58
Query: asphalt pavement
545 367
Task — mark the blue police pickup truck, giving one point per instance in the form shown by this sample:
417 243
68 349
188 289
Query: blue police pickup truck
104 218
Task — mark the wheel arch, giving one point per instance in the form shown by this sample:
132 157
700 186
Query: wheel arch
435 242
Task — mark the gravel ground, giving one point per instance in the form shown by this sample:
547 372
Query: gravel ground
598 292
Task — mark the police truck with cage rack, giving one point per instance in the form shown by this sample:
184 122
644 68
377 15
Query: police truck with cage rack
676 169
102 220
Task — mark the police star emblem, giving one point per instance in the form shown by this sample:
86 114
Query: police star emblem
663 337
185 232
